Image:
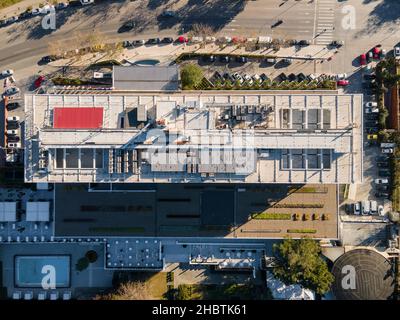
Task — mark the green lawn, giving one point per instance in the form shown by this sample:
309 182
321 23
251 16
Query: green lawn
229 292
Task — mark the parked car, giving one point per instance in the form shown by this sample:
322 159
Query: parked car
337 43
13 145
370 56
301 77
387 150
396 52
182 39
127 26
304 43
7 73
380 210
381 181
287 61
47 59
263 77
13 118
376 53
126 44
382 195
167 40
13 125
277 23
372 137
11 91
366 208
349 208
363 59
153 41
168 14
224 59
209 58
382 54
238 77
341 76
343 83
271 60
12 132
357 208
371 110
281 77
292 77
86 2
35 11
12 106
370 104
25 15
248 79
373 207
228 76
12 138
137 43
241 59
217 76
257 78
38 82
61 5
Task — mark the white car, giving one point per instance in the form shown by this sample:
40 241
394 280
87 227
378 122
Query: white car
11 91
380 210
7 73
341 76
248 79
371 110
357 208
381 181
238 77
12 132
14 118
387 150
370 104
35 12
87 2
256 78
397 52
14 145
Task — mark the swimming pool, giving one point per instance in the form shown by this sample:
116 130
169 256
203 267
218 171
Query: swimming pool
30 270
147 62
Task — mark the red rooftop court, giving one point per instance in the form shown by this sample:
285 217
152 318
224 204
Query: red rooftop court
78 118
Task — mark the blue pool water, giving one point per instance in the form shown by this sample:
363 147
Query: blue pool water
148 62
28 270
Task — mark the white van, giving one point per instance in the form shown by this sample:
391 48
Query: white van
366 207
357 208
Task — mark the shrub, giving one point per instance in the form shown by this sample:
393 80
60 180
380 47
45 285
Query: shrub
272 216
184 292
82 264
191 76
92 256
301 231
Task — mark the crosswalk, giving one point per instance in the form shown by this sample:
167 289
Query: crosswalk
325 22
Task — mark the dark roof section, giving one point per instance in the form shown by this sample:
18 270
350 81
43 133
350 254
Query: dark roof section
146 78
373 276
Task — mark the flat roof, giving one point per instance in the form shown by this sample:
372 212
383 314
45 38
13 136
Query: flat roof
150 78
38 211
8 211
77 118
293 137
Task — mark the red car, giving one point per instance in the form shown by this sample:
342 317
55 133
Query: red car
182 39
343 83
363 59
38 82
376 53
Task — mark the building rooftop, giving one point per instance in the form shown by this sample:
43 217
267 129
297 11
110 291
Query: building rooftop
146 78
208 136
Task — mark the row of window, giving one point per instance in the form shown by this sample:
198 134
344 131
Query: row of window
316 119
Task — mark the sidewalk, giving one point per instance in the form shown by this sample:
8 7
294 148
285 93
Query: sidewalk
167 53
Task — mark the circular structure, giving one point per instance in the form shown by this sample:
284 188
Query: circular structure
363 274
147 62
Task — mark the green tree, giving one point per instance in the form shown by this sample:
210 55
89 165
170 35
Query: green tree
184 292
299 262
191 76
